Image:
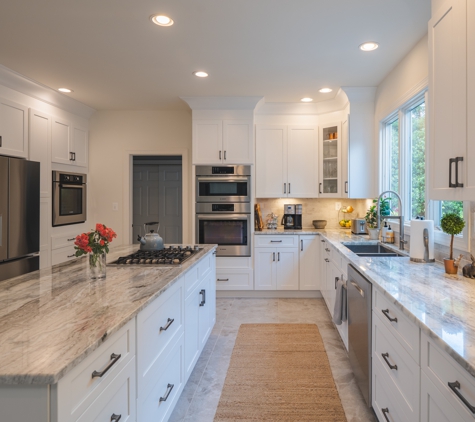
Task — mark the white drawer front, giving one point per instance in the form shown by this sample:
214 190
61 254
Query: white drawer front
242 262
441 369
276 241
158 327
79 388
404 371
63 240
397 324
205 265
234 281
386 397
191 278
117 401
162 397
62 255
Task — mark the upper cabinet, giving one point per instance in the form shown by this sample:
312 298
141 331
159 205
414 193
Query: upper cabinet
330 161
286 161
452 100
40 147
13 129
69 144
223 142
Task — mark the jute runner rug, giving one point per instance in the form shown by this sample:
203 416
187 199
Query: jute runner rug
279 372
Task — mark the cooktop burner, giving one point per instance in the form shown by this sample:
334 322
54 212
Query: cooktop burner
170 256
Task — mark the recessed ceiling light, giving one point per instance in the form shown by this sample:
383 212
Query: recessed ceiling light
325 90
65 90
200 74
162 20
306 100
369 46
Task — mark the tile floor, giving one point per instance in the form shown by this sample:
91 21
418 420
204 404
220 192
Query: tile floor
200 397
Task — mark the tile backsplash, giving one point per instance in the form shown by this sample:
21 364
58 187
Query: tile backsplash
315 209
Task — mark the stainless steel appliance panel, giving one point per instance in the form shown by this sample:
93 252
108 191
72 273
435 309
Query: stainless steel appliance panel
18 267
24 208
223 188
3 208
69 198
235 208
222 170
359 330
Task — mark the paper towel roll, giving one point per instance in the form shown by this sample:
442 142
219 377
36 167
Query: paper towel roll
417 247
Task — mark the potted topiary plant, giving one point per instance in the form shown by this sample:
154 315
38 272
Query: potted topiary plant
371 218
452 224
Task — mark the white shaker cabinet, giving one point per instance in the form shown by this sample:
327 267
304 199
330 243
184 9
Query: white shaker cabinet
469 190
13 129
223 142
69 144
330 161
286 161
309 262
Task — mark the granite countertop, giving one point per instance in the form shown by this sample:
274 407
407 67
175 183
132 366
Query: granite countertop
440 304
52 319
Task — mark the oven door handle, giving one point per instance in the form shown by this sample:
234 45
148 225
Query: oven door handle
223 216
62 185
222 179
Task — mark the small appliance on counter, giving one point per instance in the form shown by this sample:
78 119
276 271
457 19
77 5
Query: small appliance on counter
358 226
292 219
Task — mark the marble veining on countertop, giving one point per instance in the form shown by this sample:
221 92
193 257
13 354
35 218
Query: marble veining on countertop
52 319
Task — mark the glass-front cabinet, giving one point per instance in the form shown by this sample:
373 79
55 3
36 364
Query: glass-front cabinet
330 161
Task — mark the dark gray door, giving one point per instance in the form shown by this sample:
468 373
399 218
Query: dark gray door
157 196
3 208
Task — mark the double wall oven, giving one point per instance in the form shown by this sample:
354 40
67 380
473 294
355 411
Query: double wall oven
223 208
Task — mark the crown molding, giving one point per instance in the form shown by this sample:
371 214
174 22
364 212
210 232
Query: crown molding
222 103
27 86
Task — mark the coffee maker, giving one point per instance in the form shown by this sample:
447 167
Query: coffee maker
292 219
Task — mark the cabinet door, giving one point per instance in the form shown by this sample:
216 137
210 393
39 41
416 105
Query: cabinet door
61 142
447 97
204 310
323 270
13 129
271 161
264 268
40 148
192 340
469 186
309 263
345 183
237 142
80 147
302 153
333 273
207 141
287 271
330 161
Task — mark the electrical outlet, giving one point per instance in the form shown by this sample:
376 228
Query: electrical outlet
337 206
115 206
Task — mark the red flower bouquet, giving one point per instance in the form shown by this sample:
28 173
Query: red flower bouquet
95 242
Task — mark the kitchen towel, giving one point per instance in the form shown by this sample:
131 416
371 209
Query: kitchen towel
417 247
339 312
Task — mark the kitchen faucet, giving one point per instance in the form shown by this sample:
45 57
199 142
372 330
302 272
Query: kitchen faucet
400 217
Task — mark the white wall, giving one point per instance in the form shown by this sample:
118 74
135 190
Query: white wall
113 137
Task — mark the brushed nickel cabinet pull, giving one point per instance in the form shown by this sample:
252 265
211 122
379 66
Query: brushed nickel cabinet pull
385 357
386 314
169 390
273 256
301 244
114 359
169 322
320 188
385 411
289 187
285 187
70 240
203 294
71 256
220 154
276 241
278 256
455 387
225 155
222 279
327 260
0 141
115 418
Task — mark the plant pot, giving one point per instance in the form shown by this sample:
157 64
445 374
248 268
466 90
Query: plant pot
450 268
373 234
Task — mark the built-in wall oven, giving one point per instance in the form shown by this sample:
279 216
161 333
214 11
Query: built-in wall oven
223 208
69 198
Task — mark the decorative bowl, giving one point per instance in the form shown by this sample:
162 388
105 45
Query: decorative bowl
319 224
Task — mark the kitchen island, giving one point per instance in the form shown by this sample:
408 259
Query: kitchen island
52 320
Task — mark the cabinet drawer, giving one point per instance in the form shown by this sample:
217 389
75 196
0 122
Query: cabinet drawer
276 241
158 327
387 398
235 280
117 399
402 328
162 397
78 389
441 369
63 240
63 255
405 372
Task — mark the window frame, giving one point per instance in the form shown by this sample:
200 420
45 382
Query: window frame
402 114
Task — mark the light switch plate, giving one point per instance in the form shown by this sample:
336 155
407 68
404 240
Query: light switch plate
337 206
115 206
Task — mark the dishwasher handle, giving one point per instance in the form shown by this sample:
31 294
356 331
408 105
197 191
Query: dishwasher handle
360 290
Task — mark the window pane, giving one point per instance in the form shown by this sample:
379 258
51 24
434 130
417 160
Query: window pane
393 147
418 163
444 207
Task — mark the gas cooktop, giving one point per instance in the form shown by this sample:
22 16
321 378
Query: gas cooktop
169 256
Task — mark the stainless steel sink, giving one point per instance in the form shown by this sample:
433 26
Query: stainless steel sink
372 250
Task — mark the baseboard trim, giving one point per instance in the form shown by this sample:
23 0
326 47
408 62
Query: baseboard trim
269 294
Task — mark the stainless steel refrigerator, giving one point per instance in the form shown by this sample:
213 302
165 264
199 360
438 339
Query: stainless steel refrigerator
19 217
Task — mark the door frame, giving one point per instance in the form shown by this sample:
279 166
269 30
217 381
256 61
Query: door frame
128 167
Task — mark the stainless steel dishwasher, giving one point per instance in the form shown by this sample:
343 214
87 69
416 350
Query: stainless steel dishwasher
359 329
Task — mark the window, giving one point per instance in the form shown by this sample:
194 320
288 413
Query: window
403 167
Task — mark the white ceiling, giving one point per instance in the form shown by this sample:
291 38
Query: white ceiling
113 57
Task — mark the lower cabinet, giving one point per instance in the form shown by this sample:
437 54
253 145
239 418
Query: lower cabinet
276 268
309 260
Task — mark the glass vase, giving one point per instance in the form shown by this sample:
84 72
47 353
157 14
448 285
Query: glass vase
97 266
